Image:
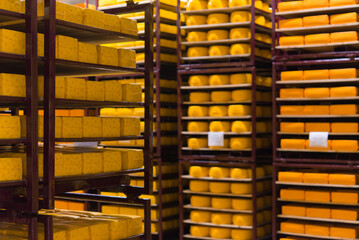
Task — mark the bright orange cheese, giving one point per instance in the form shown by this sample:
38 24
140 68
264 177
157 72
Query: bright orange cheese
345 145
340 37
344 232
317 196
344 127
292 210
317 127
316 110
316 74
292 143
348 91
290 177
292 194
292 227
291 23
329 146
342 73
291 41
290 6
318 20
321 178
296 127
292 75
351 215
308 4
342 179
344 197
336 3
344 18
316 229
343 109
291 93
316 212
292 110
321 38
316 92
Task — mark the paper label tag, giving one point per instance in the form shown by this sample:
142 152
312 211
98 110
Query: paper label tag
86 144
215 139
318 139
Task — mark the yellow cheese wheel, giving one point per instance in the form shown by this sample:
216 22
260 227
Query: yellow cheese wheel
316 74
239 110
239 48
344 232
219 126
344 214
217 18
197 51
240 16
290 23
318 212
198 171
237 3
342 73
242 204
291 93
220 233
221 96
291 41
240 78
292 227
292 143
318 20
342 179
214 35
292 76
317 127
345 145
221 203
290 6
219 172
260 20
219 187
196 36
316 110
317 196
198 80
335 3
218 79
340 37
293 210
343 109
218 50
312 39
200 216
316 229
225 145
241 126
344 127
348 91
292 110
344 197
292 194
196 5
197 127
200 201
290 177
239 173
238 33
199 231
308 4
217 4
344 18
242 219
242 234
241 188
320 178
196 143
221 218
316 92
240 143
196 20
199 186
197 111
218 111
241 95
196 97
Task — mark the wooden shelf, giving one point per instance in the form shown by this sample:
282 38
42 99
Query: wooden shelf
7 16
226 133
318 116
319 203
101 139
229 86
112 9
218 118
231 195
315 151
319 29
224 103
319 82
224 57
228 25
319 47
216 150
329 220
189 236
330 99
226 42
12 141
314 236
227 10
217 210
211 179
316 11
317 185
330 134
74 103
187 221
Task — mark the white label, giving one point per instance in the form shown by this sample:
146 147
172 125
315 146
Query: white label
318 139
86 144
215 139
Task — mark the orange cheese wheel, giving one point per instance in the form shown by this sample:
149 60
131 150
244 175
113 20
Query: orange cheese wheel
316 110
291 23
344 197
316 74
344 232
343 109
291 41
294 127
292 75
316 229
290 6
317 212
340 37
345 145
344 18
336 3
317 196
292 143
312 21
348 91
342 73
316 92
317 127
308 4
291 93
293 210
292 110
344 127
292 227
312 39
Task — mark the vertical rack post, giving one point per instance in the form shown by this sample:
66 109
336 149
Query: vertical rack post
253 32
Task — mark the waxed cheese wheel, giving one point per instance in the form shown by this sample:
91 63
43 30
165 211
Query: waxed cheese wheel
317 196
217 18
238 49
290 177
292 76
294 127
219 172
292 194
219 126
312 21
197 97
196 5
198 80
238 33
218 50
237 3
316 110
344 18
199 231
340 37
336 3
240 16
316 92
196 36
198 171
345 145
197 51
344 197
309 4
221 203
290 6
344 232
316 229
221 96
218 111
293 210
320 178
217 4
291 110
241 126
342 179
198 111
321 38
318 212
349 91
290 23
316 74
291 41
214 35
291 93
196 20
342 73
343 109
219 79
292 143
292 227
317 127
199 186
196 143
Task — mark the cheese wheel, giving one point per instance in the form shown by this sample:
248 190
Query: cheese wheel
221 96
316 229
312 39
317 212
292 210
259 172
329 146
317 127
219 126
290 177
239 173
292 143
316 74
316 92
291 41
214 35
241 95
242 234
198 171
198 80
260 20
351 215
292 227
343 109
240 16
196 20
342 179
197 111
292 194
220 233
221 203
219 187
240 78
200 216
291 93
338 127
238 110
242 204
197 51
316 110
199 186
238 33
218 80
196 143
217 18
196 36
344 18
292 127
219 172
312 21
237 3
243 219
319 178
292 76
239 48
197 97
344 197
336 3
308 4
345 145
290 23
200 201
218 111
317 196
290 6
241 126
291 110
221 218
342 73
241 188
344 91
196 5
199 231
340 37
218 50
344 232
240 143
217 4
225 145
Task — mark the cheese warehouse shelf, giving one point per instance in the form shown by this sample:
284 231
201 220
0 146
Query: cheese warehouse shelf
319 29
221 210
315 236
328 220
224 179
316 11
188 236
227 10
319 82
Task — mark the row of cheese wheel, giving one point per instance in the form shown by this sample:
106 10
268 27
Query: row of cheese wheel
320 20
335 145
212 4
334 109
231 110
228 96
226 187
226 233
221 50
309 4
322 74
322 230
323 196
318 178
223 79
235 143
332 92
320 38
225 126
222 172
334 127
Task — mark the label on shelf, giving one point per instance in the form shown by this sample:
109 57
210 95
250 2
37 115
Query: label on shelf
215 139
318 139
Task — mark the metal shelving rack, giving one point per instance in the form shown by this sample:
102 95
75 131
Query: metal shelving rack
321 56
50 187
230 64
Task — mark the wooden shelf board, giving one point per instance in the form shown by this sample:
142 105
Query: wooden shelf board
216 150
315 236
317 99
226 133
330 134
218 118
224 179
217 210
315 11
320 203
313 151
318 219
319 116
187 221
317 185
321 82
218 194
319 47
224 57
319 29
229 86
